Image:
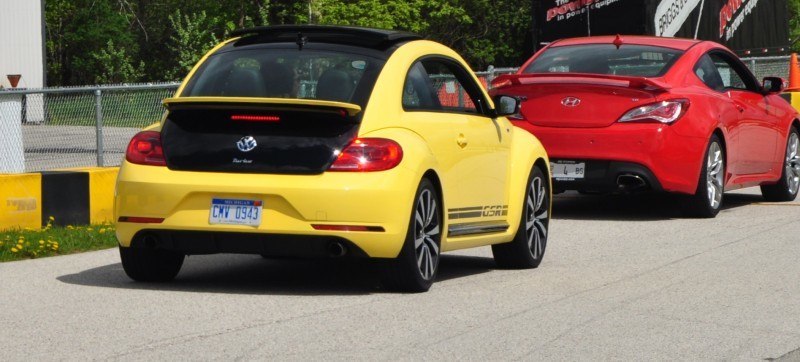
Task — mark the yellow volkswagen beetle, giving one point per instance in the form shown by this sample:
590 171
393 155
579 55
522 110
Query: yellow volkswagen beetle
320 141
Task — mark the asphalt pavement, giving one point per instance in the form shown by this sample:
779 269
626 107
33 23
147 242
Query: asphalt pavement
623 278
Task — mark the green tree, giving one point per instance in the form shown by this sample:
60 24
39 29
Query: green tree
116 66
794 24
193 37
78 29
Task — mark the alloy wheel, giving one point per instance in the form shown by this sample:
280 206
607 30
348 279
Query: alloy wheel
426 234
715 168
792 170
536 214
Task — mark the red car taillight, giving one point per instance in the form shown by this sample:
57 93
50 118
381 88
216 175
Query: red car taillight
663 112
145 149
368 154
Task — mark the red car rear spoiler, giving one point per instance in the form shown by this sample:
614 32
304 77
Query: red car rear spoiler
646 84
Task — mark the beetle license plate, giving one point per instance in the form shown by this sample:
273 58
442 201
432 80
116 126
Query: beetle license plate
567 170
235 212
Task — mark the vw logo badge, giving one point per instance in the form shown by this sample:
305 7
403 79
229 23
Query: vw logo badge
246 144
571 102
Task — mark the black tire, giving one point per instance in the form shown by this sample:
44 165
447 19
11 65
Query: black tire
415 269
707 199
527 249
787 186
150 265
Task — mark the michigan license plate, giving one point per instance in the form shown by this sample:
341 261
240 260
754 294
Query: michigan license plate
567 170
235 212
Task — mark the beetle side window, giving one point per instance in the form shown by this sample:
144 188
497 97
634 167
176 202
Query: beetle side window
441 86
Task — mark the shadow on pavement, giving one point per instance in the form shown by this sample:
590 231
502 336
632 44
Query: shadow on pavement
634 207
249 274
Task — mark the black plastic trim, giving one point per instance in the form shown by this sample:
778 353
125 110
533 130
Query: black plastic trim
476 228
365 37
601 176
279 245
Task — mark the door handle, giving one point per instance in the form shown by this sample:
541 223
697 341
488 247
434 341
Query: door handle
461 140
739 107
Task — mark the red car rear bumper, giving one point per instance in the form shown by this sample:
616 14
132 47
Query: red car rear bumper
674 160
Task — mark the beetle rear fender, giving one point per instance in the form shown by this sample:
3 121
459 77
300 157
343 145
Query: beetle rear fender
417 156
526 151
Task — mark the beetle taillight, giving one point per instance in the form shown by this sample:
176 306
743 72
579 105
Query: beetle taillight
368 154
145 149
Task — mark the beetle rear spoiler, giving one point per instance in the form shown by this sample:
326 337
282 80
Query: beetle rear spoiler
279 103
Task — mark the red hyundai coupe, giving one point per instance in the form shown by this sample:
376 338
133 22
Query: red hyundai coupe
663 114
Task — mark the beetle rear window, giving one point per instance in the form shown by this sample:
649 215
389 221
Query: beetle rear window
287 73
628 60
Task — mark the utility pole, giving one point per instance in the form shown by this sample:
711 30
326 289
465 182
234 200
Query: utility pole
536 6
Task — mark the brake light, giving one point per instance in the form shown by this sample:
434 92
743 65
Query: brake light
368 154
145 149
254 118
141 220
663 112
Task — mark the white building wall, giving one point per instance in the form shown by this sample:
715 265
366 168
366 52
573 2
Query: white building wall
21 42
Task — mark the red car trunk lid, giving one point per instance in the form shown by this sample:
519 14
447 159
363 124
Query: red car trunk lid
572 100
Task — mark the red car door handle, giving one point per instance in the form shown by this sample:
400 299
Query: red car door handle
740 107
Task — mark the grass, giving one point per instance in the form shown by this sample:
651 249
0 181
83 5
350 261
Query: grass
19 244
137 108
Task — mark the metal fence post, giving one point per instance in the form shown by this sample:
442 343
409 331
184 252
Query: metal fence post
98 117
753 65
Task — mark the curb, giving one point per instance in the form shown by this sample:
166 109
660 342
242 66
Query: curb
72 196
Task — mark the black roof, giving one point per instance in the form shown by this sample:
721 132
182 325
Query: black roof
349 35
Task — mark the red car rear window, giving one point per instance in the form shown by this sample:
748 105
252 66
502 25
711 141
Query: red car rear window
628 60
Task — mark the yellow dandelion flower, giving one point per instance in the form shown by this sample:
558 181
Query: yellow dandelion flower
14 250
19 246
89 229
70 227
41 242
102 231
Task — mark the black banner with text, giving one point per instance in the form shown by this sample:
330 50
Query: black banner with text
742 25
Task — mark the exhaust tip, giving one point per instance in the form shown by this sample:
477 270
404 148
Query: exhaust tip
150 241
337 249
629 182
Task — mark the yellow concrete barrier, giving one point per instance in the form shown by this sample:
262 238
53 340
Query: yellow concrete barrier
20 200
71 196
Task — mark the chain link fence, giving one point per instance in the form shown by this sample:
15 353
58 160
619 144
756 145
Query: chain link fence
74 127
57 128
768 66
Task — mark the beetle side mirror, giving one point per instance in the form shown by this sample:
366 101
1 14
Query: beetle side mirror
772 85
506 105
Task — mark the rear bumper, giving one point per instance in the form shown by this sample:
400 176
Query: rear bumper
205 242
291 204
666 159
610 176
